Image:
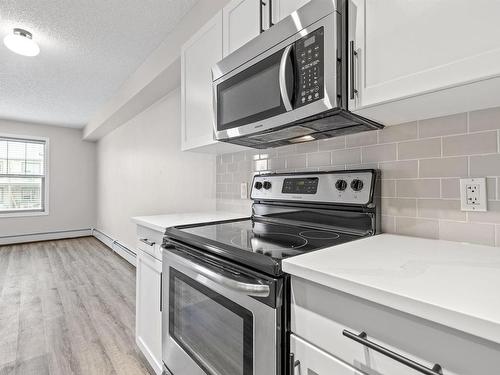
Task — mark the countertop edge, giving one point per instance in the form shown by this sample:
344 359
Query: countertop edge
204 217
485 329
147 224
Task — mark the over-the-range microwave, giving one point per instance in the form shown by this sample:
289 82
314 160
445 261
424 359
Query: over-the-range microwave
290 84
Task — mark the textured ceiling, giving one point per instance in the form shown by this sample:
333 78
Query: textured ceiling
88 49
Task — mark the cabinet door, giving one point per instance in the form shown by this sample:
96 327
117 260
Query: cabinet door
198 55
148 314
407 47
242 22
283 8
310 360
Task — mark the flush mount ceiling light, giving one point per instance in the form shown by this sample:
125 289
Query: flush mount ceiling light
22 43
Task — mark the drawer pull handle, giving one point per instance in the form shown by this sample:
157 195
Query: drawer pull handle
361 338
292 363
146 241
161 291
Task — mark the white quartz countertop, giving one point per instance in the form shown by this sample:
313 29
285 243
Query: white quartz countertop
162 222
451 283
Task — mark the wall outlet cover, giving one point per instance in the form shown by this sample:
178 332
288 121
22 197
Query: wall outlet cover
473 195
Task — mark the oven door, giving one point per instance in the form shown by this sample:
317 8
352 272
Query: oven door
216 322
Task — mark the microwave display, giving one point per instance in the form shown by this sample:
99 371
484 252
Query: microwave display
310 41
310 68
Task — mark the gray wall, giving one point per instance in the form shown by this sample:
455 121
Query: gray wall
72 184
421 164
142 171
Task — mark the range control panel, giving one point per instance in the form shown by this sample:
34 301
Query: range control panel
309 55
300 185
337 187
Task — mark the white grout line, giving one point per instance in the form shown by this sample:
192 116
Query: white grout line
498 141
497 196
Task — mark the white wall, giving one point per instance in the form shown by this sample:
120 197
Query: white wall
142 171
157 75
72 183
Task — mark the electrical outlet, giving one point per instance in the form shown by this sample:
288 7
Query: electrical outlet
243 190
473 194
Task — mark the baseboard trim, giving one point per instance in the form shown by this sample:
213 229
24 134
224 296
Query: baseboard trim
45 236
115 245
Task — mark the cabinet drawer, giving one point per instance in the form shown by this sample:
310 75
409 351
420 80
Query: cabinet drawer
311 360
149 241
320 315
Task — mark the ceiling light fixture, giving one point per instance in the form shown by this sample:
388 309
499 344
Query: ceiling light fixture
22 43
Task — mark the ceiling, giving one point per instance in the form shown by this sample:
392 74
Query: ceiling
88 50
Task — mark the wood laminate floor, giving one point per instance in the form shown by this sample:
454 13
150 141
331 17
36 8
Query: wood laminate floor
67 307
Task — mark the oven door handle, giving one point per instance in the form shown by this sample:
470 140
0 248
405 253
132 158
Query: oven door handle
282 79
250 289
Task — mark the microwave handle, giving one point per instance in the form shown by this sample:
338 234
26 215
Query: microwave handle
282 79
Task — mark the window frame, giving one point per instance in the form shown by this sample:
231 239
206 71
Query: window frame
45 180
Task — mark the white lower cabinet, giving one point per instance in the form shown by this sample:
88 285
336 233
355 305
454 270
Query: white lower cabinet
310 360
148 312
321 315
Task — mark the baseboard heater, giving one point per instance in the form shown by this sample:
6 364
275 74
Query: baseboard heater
114 245
44 236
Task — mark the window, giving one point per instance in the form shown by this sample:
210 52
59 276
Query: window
23 175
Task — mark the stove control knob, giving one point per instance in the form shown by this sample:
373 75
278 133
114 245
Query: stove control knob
356 185
258 185
267 185
341 185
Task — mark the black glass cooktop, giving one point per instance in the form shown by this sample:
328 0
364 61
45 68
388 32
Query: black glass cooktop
253 240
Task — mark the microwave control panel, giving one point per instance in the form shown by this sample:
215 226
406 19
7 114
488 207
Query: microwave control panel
309 52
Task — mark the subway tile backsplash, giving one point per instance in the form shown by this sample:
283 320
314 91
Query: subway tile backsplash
421 164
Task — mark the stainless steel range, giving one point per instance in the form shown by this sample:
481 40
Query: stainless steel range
225 296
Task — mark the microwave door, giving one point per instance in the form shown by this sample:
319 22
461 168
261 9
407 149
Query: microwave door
247 98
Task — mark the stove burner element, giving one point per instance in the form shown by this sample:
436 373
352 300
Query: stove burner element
273 244
319 235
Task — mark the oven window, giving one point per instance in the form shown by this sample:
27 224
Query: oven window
252 95
216 332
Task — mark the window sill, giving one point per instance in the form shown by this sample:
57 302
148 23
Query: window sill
23 214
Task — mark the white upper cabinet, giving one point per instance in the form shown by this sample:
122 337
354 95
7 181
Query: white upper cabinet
242 22
246 19
408 48
198 56
283 8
